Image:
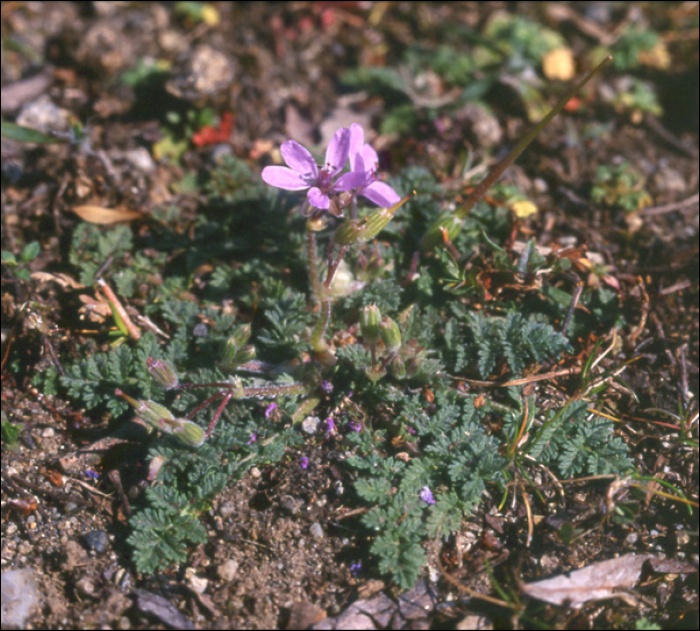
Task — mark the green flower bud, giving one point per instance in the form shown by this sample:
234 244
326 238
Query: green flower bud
361 230
397 368
162 372
241 334
369 324
236 341
390 334
448 222
241 356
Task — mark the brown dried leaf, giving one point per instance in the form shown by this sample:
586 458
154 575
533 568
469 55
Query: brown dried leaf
63 280
599 580
105 216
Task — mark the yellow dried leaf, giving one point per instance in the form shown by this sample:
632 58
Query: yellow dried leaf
558 64
210 15
523 209
105 216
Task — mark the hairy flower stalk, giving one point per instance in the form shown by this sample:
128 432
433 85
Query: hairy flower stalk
317 342
450 223
312 227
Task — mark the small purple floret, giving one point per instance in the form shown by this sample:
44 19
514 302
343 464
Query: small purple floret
326 386
323 183
270 408
426 495
303 462
364 160
355 426
303 173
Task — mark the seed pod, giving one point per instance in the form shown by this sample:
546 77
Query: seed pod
163 372
361 230
153 413
188 432
391 335
369 324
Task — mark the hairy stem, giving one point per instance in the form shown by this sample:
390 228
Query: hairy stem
324 316
312 264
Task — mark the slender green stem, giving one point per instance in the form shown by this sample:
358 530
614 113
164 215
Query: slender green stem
498 170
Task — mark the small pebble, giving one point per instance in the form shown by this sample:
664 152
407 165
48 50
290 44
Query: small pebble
227 570
316 531
97 541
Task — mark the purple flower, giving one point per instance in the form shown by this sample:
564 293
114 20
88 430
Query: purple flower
253 438
355 426
326 386
356 568
270 408
364 161
303 462
302 172
426 495
331 426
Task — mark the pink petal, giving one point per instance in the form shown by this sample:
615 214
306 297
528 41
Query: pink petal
381 194
357 139
318 199
284 177
338 150
370 158
299 159
351 180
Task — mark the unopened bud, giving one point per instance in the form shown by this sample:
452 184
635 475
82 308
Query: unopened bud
236 341
369 323
241 334
163 372
360 230
390 334
241 356
397 368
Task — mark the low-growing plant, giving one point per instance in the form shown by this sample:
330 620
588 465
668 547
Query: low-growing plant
421 451
620 186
